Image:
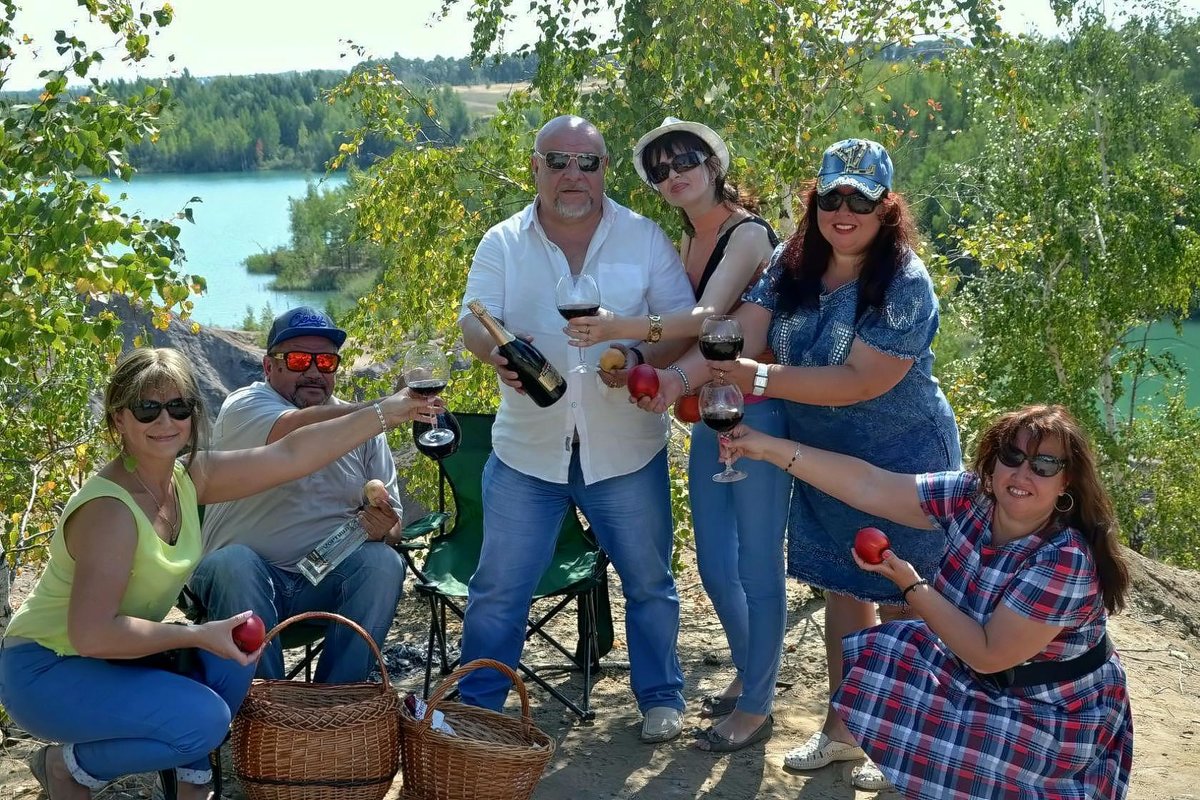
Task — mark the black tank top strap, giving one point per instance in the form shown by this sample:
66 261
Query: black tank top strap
722 242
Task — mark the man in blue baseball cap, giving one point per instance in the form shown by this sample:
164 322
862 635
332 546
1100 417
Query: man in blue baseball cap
253 545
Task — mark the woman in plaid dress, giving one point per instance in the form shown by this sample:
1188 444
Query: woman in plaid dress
1005 686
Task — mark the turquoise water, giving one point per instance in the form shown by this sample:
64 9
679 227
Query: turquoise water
241 214
1185 348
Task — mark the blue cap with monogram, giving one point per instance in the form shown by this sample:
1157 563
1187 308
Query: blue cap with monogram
860 163
304 321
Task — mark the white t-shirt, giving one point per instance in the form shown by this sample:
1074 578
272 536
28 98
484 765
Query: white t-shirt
514 273
283 524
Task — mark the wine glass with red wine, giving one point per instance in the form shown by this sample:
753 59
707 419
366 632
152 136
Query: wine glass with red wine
577 296
721 339
426 373
722 408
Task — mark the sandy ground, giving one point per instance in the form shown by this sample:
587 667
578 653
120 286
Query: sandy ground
604 759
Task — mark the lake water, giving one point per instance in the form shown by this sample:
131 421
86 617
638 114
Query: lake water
241 214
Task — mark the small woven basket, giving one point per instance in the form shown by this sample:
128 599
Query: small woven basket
313 741
490 757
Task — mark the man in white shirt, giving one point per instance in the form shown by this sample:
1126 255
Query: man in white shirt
252 545
592 447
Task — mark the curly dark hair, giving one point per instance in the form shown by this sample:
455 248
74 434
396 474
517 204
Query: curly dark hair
682 141
1091 512
805 256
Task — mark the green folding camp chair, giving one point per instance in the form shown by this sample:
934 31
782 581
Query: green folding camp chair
578 572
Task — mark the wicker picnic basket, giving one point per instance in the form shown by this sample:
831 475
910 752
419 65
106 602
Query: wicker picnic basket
490 757
313 741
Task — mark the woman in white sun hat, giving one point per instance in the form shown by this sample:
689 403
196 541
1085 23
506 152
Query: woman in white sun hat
739 527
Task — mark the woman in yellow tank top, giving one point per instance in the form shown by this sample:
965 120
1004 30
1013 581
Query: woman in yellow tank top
125 545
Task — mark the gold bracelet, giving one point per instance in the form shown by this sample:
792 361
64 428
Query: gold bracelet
795 456
382 420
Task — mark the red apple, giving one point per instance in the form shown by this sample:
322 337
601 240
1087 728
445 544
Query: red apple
870 543
642 381
687 408
250 634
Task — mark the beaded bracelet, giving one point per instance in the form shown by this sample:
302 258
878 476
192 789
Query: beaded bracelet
904 594
795 456
687 387
382 420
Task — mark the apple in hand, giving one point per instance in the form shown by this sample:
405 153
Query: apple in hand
870 543
250 634
612 359
642 381
376 493
687 408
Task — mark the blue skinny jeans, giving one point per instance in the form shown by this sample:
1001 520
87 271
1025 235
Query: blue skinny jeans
119 719
739 531
631 518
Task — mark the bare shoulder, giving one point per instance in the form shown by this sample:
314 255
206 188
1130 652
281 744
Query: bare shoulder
102 524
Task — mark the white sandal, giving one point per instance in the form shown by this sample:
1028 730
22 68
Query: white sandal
869 777
820 751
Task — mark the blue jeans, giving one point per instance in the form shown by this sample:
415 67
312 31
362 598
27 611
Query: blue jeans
630 516
365 587
739 551
120 719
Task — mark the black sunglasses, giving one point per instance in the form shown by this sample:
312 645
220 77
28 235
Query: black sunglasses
300 361
558 160
681 163
858 202
1043 466
146 411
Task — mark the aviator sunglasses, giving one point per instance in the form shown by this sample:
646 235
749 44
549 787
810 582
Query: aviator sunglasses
558 160
146 411
300 361
1042 466
857 202
681 163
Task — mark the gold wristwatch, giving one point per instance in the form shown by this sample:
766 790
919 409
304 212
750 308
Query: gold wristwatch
655 328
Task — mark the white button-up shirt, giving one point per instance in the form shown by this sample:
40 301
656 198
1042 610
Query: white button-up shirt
515 270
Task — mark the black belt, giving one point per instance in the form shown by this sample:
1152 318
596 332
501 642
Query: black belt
1038 673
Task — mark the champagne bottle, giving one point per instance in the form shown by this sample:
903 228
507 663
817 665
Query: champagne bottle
539 378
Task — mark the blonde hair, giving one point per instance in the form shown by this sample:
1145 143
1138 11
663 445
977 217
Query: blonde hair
146 369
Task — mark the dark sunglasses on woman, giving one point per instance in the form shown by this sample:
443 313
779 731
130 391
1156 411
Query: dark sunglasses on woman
858 202
146 411
1043 466
558 160
300 361
681 163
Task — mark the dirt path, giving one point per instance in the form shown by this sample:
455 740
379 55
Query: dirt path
604 759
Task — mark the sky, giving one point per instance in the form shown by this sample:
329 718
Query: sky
239 37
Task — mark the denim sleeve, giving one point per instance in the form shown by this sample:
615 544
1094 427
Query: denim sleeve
908 321
765 292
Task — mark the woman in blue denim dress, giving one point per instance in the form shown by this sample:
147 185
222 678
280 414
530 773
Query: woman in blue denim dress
850 312
739 527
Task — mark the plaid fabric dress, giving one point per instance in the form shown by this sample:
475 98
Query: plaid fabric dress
936 729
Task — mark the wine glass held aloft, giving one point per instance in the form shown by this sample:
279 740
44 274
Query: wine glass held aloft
721 338
722 408
577 296
426 373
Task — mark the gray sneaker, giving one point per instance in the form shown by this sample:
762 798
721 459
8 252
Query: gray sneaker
662 724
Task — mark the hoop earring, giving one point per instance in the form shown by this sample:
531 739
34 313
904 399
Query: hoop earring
1070 505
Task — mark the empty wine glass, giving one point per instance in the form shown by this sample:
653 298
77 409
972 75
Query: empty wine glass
721 339
722 408
577 296
426 373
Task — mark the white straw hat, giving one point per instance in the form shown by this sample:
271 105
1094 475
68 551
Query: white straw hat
672 124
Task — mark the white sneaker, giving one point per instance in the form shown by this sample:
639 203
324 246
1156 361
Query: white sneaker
662 724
